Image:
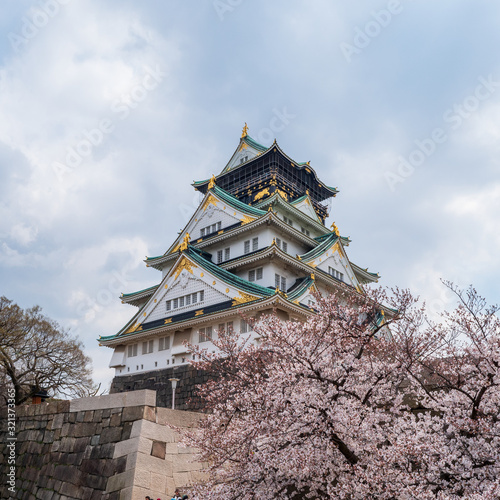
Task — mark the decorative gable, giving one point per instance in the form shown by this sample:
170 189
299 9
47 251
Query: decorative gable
246 150
213 215
190 287
305 206
337 265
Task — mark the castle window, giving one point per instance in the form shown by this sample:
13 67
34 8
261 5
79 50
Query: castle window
205 231
282 244
164 343
246 246
244 326
223 255
205 334
132 350
186 300
305 231
255 274
169 305
255 244
280 282
336 274
288 221
147 347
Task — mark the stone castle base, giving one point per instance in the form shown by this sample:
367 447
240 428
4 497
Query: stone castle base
113 447
158 380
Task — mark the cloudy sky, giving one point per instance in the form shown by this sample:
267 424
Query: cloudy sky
110 109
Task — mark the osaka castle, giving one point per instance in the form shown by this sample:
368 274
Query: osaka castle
257 244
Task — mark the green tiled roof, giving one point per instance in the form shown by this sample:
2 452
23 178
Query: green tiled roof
151 288
227 276
254 143
298 200
301 288
200 183
237 204
326 243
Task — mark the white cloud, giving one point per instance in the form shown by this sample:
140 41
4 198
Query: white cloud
23 234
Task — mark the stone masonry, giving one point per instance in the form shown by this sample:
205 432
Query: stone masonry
113 447
158 380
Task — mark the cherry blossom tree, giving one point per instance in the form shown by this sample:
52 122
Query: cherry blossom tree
338 407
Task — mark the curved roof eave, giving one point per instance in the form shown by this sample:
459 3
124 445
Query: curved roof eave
275 299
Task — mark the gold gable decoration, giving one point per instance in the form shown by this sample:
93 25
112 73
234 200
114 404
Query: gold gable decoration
244 132
282 194
261 194
211 184
185 242
243 298
135 327
211 200
184 264
335 229
246 220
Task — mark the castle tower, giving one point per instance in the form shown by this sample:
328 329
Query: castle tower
256 243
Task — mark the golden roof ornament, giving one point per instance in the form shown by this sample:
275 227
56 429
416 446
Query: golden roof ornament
335 229
211 184
244 133
312 276
185 242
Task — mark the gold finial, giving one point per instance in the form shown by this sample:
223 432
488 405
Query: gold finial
185 242
277 290
312 276
245 131
308 163
335 229
274 241
382 312
307 192
270 208
211 184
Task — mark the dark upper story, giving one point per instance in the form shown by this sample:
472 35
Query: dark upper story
268 172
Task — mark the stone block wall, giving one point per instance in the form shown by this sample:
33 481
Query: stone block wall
158 380
119 446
